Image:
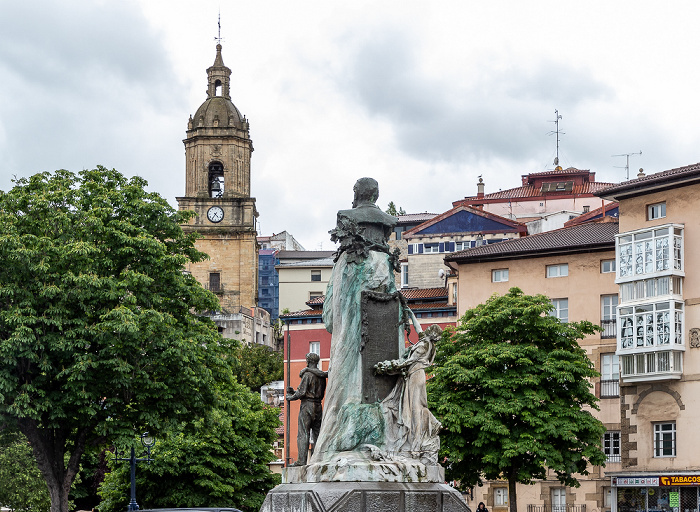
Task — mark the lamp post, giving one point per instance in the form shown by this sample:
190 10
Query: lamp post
148 442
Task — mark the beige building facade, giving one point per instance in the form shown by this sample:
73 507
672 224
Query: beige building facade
302 281
575 268
658 341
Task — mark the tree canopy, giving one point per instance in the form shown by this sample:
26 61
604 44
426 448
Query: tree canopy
98 339
218 460
258 365
22 489
393 210
511 387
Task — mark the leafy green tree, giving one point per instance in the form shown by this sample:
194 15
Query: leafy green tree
97 335
258 365
219 460
392 210
511 388
22 489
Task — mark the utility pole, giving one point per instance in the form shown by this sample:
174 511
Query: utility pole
557 117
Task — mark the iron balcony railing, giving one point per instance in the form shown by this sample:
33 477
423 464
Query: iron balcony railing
609 328
610 388
556 508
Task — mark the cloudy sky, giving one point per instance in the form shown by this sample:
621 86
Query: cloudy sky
423 96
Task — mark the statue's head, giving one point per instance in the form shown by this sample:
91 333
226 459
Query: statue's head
312 358
366 191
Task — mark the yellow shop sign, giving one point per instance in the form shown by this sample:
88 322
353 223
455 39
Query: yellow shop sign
666 481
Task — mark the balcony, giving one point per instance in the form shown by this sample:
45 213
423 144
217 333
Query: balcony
214 287
556 508
610 388
609 329
652 366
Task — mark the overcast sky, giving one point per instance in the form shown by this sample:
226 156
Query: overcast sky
423 96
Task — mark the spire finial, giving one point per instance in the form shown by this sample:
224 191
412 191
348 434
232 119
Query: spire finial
218 38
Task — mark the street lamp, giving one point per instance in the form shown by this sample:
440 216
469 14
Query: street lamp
148 442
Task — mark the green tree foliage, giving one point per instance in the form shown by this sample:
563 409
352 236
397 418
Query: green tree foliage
392 210
219 460
22 489
511 388
258 365
97 334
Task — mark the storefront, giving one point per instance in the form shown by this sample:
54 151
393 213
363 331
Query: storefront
656 493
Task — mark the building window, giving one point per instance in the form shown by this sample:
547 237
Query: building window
315 347
656 211
560 270
609 375
559 499
315 275
500 497
608 316
454 294
431 248
404 275
665 439
649 288
607 266
500 275
611 445
214 281
651 325
561 309
646 252
586 208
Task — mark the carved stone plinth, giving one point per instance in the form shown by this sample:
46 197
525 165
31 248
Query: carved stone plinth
364 497
361 471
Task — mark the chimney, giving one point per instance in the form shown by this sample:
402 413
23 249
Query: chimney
641 173
480 188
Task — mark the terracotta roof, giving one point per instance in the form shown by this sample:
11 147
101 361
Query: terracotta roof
689 173
557 172
316 301
531 192
580 238
431 305
516 226
305 312
585 217
423 293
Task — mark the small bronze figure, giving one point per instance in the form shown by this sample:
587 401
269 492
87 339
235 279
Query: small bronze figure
310 392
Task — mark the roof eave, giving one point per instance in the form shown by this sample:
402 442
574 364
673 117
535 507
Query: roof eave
539 253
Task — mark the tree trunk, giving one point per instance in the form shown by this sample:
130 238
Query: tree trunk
49 448
512 494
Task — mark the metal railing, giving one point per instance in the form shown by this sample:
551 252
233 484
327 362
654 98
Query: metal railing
609 328
610 388
556 508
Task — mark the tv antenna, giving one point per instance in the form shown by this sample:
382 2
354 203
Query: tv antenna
627 163
556 122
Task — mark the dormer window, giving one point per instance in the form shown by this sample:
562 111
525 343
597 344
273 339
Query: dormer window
216 179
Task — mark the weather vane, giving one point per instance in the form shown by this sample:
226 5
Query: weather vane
218 38
556 122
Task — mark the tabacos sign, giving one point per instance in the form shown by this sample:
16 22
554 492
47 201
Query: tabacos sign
667 481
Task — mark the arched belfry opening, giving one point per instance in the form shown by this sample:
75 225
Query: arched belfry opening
216 179
217 88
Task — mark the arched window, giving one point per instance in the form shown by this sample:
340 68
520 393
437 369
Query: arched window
217 88
216 179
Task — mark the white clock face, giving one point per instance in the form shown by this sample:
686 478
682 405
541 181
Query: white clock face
215 214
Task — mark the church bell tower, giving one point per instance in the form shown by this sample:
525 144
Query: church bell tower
218 148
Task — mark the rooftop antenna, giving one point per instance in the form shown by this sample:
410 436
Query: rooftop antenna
627 163
556 122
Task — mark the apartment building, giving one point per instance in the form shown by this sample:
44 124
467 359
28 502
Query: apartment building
575 267
658 341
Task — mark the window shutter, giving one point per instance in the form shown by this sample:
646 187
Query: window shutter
441 247
410 248
450 247
420 248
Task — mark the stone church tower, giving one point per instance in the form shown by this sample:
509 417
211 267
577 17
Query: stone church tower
218 148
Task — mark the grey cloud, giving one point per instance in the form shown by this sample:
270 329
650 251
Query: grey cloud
501 114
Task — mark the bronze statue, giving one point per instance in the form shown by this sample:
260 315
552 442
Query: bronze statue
310 392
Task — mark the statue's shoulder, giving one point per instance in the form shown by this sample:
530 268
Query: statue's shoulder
368 214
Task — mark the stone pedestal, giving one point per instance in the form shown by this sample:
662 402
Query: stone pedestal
364 497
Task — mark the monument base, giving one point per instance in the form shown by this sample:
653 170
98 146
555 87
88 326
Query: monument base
364 497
